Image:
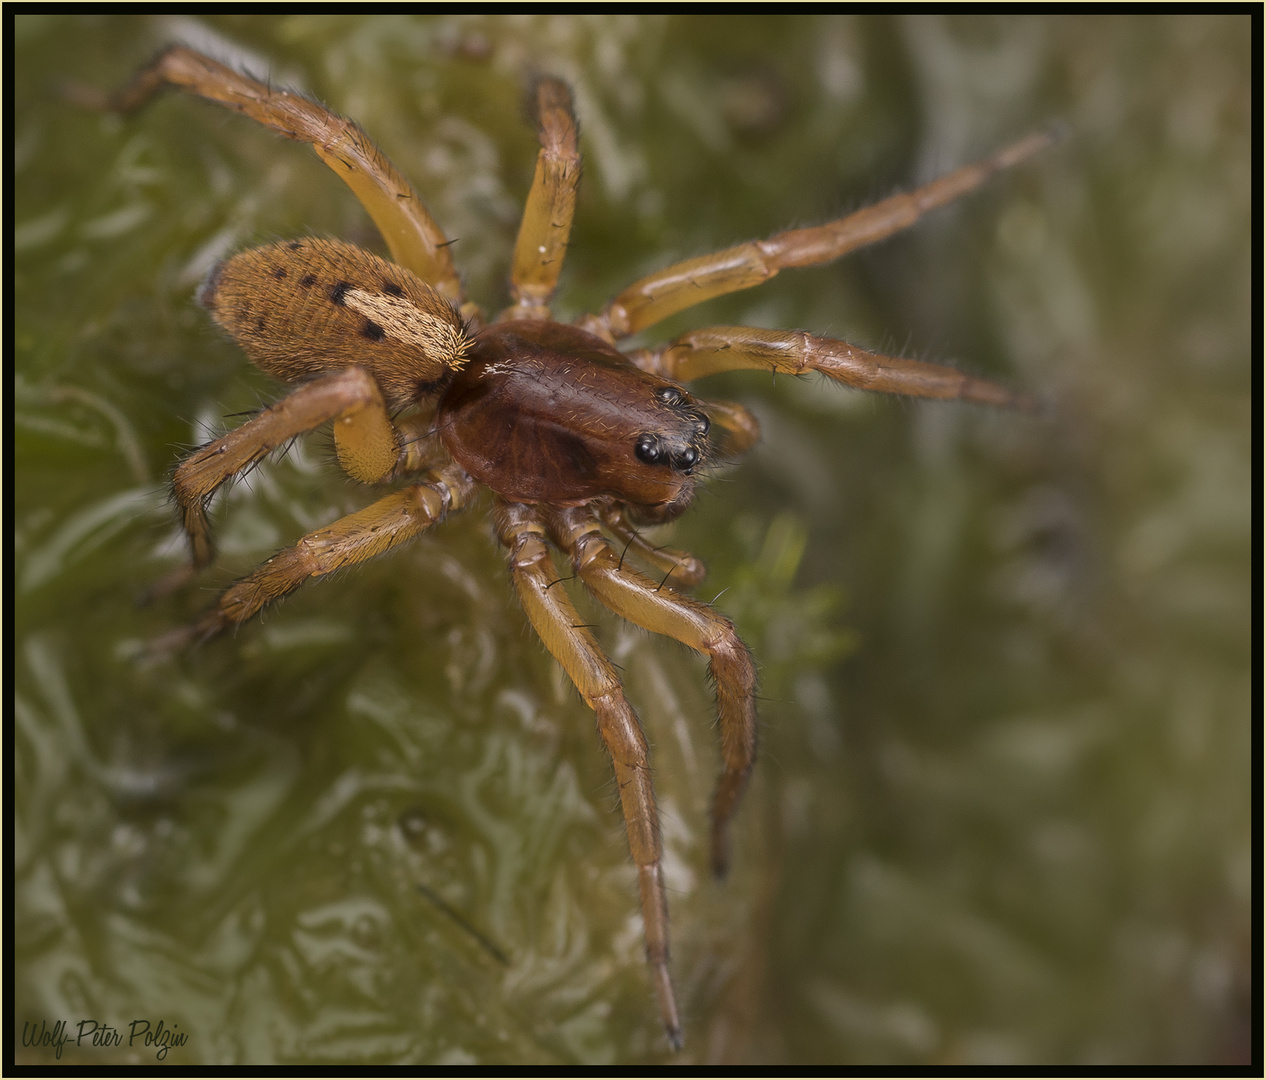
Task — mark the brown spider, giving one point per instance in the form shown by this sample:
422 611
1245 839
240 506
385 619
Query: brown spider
577 440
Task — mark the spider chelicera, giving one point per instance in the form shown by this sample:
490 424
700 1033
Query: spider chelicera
579 441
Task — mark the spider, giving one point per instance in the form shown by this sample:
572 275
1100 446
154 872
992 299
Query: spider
580 442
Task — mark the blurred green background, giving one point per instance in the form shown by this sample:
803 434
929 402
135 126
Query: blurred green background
1002 814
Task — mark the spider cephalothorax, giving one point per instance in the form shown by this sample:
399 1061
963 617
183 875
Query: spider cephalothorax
577 439
545 412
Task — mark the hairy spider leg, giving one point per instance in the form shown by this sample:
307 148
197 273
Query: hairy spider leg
679 567
644 603
378 528
551 203
414 238
366 441
550 611
729 348
685 284
420 444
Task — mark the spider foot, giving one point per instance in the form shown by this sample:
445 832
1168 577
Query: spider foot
164 647
169 583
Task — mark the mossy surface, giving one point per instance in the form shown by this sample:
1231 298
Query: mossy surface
1002 814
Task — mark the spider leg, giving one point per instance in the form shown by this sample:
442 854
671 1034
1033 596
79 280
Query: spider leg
792 352
551 204
414 238
382 525
420 444
691 282
679 566
364 437
741 426
555 620
636 598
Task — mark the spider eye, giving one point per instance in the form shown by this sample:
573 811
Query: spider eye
669 395
687 459
648 449
703 425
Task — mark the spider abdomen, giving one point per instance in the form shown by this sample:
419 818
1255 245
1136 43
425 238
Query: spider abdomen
545 412
301 307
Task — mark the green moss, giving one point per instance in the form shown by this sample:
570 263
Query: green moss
1002 810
